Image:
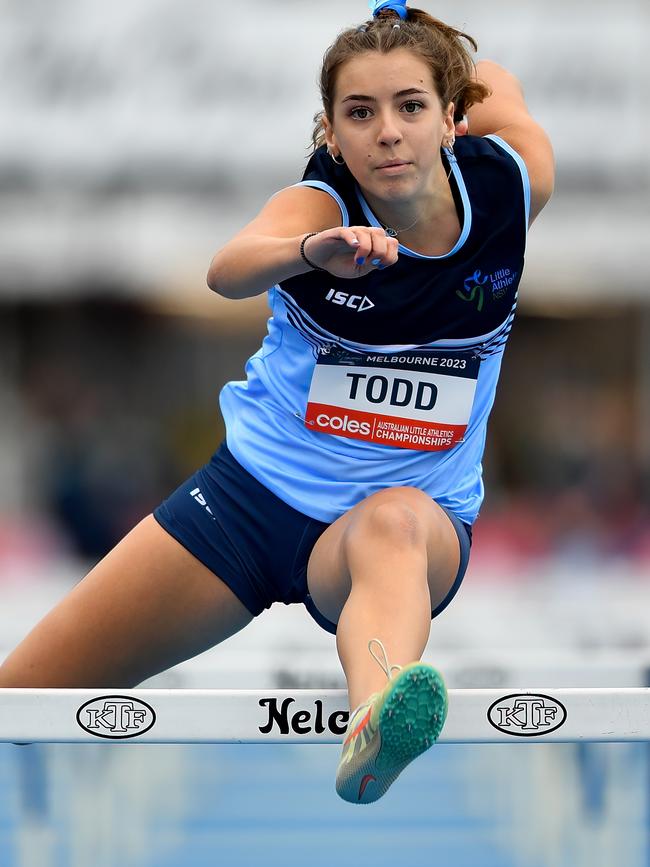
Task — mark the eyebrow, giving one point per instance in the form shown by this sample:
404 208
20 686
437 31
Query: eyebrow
364 98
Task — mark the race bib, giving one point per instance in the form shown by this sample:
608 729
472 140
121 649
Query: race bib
418 399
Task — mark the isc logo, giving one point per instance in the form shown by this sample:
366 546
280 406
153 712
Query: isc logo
200 499
356 302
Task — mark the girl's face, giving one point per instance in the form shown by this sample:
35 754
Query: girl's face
386 109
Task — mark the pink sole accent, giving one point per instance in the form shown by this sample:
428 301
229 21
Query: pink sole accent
364 782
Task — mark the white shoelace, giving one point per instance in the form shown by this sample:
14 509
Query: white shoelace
386 668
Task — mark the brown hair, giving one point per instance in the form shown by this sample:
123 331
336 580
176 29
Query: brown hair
438 44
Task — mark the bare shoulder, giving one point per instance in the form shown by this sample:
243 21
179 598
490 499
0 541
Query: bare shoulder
533 145
294 210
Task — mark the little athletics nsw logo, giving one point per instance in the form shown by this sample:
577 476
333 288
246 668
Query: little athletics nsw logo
497 283
527 715
116 717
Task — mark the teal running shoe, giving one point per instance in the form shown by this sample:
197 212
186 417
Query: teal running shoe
390 729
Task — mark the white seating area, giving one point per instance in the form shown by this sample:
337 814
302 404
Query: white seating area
155 132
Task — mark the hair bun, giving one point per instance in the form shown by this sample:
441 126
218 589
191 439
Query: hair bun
383 8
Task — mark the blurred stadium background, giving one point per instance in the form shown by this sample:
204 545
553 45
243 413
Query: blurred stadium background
135 139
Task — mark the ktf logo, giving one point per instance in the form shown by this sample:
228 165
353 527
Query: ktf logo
116 717
527 715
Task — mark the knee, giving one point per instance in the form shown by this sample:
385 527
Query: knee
392 519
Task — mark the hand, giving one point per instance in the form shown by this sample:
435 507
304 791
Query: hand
352 251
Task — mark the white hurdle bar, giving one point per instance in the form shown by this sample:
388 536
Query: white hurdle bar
311 716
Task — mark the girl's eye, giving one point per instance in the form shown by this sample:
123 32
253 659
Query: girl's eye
412 107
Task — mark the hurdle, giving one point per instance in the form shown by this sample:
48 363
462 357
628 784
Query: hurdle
311 716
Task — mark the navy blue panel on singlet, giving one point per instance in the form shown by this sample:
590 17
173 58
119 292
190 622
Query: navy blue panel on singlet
462 302
442 301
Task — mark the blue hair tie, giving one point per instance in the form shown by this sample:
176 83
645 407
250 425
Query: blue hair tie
377 6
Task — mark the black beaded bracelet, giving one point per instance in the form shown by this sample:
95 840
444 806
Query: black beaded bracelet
302 252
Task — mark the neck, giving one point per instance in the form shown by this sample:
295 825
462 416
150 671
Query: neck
415 214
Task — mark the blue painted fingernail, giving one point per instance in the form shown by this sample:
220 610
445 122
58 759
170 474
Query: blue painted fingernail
376 261
381 267
361 261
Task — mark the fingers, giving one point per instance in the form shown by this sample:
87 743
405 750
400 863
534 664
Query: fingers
368 249
375 248
349 234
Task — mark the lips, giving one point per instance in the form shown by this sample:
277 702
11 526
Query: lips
394 168
393 164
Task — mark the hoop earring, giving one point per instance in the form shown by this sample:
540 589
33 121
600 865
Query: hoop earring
342 163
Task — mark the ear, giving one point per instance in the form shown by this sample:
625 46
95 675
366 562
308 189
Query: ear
448 119
328 130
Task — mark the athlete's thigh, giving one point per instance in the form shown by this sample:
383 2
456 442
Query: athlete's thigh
328 574
146 606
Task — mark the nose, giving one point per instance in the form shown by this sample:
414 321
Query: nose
389 130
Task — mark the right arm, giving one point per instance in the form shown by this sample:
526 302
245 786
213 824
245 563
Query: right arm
505 113
267 250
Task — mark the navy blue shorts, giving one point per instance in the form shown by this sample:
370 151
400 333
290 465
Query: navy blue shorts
253 541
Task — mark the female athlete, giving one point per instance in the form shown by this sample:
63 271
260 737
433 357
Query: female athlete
351 472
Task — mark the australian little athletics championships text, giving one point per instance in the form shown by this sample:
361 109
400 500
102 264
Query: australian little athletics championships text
417 436
399 432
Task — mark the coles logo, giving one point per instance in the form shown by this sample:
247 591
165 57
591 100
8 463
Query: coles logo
335 422
116 717
527 715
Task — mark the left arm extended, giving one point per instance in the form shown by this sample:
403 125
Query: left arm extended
505 114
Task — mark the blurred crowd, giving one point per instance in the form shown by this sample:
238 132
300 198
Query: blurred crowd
118 404
143 135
